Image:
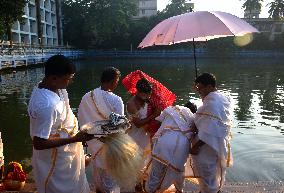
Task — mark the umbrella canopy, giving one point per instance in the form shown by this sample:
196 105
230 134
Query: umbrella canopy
196 26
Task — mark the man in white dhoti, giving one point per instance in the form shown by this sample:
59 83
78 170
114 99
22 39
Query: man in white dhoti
171 146
97 105
211 152
58 159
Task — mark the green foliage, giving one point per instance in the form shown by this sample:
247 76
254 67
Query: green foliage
276 9
260 42
221 45
176 7
10 12
252 5
138 29
76 29
108 24
98 23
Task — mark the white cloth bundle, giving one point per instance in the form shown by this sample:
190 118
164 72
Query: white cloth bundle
115 124
121 156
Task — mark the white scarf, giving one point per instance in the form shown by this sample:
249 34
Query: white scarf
213 121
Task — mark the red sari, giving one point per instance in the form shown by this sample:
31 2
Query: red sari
161 97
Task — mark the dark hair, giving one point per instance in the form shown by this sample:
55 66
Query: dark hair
144 86
109 74
191 106
206 79
59 65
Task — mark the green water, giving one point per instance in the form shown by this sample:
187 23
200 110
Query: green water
256 86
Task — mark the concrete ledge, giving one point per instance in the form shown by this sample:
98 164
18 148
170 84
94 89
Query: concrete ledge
244 187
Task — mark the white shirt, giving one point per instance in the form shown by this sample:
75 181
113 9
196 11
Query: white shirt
47 111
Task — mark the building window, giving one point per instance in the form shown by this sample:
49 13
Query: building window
31 27
22 27
143 11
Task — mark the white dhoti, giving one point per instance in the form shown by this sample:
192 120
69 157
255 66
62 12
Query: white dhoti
170 150
61 169
139 135
212 178
213 121
95 106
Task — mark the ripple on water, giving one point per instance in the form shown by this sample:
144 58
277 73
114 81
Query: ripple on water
255 160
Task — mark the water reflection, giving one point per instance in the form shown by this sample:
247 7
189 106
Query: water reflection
256 87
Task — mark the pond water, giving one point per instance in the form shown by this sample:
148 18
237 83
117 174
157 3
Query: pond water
256 86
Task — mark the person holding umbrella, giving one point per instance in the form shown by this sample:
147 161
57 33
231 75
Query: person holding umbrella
211 152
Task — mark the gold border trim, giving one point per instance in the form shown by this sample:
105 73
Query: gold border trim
51 170
95 104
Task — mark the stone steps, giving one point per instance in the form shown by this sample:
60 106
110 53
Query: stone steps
236 187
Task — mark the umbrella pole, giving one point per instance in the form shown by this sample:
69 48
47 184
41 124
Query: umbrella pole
194 55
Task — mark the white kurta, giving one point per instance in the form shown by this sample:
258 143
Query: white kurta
61 169
213 121
97 105
170 149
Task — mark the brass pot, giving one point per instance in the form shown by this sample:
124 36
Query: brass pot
13 185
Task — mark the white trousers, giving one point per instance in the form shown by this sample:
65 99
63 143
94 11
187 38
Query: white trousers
208 167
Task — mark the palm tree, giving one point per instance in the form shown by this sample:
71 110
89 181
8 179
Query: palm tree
252 5
276 9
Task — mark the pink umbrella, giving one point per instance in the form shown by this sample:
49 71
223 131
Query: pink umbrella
196 26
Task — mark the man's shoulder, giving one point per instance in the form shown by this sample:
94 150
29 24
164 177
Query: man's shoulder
41 106
115 97
42 100
216 96
87 94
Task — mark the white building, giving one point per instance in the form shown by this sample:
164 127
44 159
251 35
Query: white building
50 31
146 8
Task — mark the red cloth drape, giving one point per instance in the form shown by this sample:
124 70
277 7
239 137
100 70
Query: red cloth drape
161 97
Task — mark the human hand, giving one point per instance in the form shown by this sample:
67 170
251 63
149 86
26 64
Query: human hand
134 120
88 159
83 136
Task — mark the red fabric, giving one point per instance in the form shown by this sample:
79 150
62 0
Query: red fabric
161 96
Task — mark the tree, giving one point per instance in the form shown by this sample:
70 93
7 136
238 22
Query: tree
77 32
98 23
177 7
110 21
252 5
10 12
276 9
